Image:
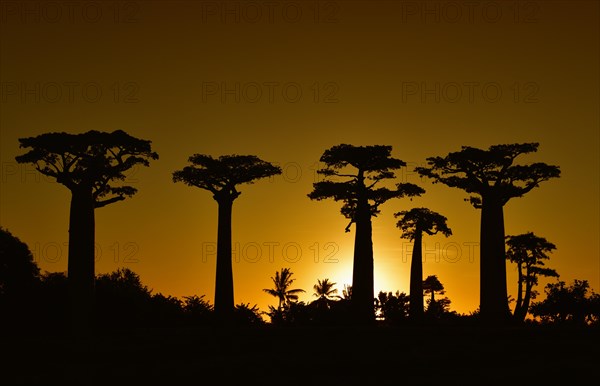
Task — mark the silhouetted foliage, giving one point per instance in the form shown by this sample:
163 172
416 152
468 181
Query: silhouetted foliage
347 292
19 274
570 304
281 289
89 165
325 293
121 299
248 316
362 168
528 251
437 308
221 176
432 285
493 179
197 310
165 311
54 300
392 308
413 224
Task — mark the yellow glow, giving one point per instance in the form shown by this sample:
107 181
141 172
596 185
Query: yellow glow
169 56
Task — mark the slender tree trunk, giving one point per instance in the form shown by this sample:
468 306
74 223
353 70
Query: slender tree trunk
80 268
519 302
362 273
224 304
525 305
493 293
416 278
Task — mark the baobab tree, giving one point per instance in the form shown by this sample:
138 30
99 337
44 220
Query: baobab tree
528 251
413 223
362 167
493 179
221 177
90 165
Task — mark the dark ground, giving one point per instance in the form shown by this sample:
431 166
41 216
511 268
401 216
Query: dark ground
436 355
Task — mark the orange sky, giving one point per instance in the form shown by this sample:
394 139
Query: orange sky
285 82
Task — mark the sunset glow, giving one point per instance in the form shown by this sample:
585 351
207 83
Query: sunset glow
193 78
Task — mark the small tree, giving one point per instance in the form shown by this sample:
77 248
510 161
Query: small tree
528 251
221 177
325 292
90 165
361 168
431 285
413 224
493 179
281 289
393 308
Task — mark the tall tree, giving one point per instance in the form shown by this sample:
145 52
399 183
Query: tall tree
90 165
361 168
528 251
413 223
281 289
221 177
493 179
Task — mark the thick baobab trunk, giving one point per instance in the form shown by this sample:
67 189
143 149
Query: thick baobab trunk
493 293
80 273
224 304
362 272
416 278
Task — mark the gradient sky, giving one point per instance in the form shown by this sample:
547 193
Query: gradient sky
285 81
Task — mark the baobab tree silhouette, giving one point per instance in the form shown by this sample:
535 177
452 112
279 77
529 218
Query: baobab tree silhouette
413 224
221 176
361 202
493 179
88 164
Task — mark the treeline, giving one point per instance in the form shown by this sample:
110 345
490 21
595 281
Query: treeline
31 299
92 166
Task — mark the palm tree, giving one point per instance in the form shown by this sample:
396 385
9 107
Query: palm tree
324 289
282 282
324 292
413 224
